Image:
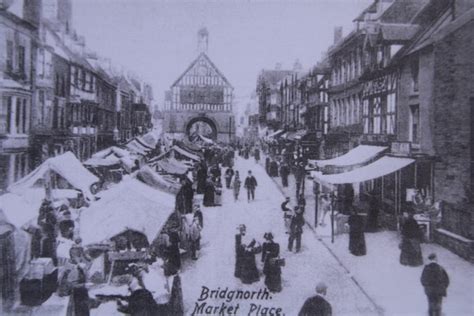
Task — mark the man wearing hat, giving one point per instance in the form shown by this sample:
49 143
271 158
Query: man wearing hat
435 280
296 229
317 305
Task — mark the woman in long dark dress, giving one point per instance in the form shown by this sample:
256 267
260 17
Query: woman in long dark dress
201 179
372 216
410 246
356 235
209 192
249 272
271 268
239 251
173 256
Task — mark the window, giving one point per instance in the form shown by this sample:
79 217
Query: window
5 115
41 63
23 117
21 59
365 115
9 56
17 115
414 121
390 114
41 100
376 115
414 74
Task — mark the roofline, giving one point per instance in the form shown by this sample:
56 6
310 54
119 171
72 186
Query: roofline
192 65
16 19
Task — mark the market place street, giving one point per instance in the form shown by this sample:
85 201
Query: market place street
215 267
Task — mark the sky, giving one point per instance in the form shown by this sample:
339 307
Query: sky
157 39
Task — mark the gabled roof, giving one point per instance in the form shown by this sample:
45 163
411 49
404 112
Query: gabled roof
272 77
208 60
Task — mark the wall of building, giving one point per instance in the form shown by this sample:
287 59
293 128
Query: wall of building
453 88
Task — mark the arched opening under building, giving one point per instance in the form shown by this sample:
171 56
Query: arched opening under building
201 126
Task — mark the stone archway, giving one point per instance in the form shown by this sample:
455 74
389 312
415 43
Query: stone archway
198 125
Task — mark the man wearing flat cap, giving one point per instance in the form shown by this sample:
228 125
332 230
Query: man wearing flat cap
317 305
435 280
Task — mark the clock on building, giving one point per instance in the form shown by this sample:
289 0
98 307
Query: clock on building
202 70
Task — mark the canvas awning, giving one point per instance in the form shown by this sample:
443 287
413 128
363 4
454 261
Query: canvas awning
295 135
185 153
276 134
150 209
67 166
379 168
356 156
155 180
170 167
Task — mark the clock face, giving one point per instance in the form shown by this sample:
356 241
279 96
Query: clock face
202 70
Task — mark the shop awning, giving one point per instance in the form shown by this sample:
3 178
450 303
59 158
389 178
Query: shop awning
379 168
358 155
276 134
297 135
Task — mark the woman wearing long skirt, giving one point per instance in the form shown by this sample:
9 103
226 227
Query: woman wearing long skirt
271 265
372 216
356 235
249 272
239 250
410 246
236 186
209 192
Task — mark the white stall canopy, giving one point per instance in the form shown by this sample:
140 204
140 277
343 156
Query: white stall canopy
65 165
379 168
130 205
356 156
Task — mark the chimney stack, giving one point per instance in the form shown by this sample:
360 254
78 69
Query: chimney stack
337 34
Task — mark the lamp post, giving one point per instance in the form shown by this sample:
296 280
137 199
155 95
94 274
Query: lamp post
316 202
333 199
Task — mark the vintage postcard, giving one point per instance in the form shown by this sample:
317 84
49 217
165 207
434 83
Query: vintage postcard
236 157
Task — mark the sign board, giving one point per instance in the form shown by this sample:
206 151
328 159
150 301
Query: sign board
401 148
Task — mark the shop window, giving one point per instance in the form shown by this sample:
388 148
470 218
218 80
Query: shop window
389 188
390 114
414 121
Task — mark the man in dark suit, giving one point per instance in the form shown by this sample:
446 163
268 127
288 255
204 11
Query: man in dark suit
317 305
435 280
250 184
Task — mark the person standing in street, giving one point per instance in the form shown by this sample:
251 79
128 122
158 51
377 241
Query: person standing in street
296 230
256 154
271 263
250 184
411 238
287 214
239 250
229 173
356 234
236 186
299 178
317 305
435 280
284 173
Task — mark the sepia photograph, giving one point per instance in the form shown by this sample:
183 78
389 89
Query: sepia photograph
237 157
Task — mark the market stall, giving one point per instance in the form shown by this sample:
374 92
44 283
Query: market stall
67 167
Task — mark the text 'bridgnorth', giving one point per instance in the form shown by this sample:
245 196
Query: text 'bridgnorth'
206 293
